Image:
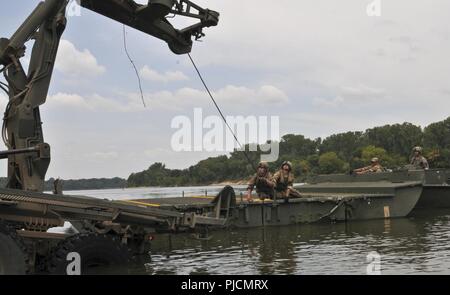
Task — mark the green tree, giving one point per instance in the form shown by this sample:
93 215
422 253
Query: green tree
330 163
371 151
437 135
336 153
344 144
395 139
297 146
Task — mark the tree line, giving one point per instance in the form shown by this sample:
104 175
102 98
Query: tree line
338 153
81 184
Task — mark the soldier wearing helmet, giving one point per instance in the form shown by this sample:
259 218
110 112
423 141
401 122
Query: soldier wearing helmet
262 180
417 160
284 180
374 167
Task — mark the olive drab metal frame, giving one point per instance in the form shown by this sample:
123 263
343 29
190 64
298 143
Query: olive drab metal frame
28 154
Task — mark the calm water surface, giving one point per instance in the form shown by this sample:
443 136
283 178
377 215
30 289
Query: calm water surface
419 244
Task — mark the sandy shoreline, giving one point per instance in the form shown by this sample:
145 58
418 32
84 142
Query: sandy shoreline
231 182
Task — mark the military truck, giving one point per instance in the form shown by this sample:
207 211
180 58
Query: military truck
105 231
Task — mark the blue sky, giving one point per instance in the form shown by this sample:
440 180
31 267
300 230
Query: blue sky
323 66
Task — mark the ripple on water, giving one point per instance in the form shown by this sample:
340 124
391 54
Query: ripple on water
408 247
419 245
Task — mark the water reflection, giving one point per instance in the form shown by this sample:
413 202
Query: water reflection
407 246
415 245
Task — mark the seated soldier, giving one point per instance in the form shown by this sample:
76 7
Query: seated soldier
263 182
374 167
284 180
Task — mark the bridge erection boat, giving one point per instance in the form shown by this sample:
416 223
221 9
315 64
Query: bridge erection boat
435 185
436 189
26 216
325 198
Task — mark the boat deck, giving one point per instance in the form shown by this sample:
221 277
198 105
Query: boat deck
53 210
203 201
173 202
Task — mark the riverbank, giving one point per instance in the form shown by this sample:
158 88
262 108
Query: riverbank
231 182
81 184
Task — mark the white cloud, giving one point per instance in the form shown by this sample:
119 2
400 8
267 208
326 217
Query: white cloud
334 102
168 76
266 94
352 95
323 46
75 63
70 100
104 155
361 92
171 100
94 102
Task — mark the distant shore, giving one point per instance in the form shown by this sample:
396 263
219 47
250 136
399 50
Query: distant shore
231 182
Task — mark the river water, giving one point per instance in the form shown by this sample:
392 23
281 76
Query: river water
419 244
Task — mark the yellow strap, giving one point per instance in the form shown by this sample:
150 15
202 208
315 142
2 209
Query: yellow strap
159 205
140 203
259 200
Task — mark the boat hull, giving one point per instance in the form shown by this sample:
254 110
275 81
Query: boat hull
326 207
320 202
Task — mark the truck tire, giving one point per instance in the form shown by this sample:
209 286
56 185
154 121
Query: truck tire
13 253
99 254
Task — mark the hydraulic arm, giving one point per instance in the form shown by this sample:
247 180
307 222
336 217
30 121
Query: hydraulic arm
28 155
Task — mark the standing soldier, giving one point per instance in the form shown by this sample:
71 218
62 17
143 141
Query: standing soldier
284 180
419 161
374 167
263 182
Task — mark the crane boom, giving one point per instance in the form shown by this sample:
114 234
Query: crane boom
151 19
28 154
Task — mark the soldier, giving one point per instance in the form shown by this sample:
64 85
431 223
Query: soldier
374 167
263 182
284 180
419 161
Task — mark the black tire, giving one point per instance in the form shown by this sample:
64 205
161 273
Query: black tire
100 254
13 253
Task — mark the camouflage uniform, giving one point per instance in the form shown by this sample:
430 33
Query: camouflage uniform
371 169
264 189
284 182
263 183
419 162
375 167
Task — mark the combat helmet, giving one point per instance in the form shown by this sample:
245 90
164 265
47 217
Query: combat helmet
287 163
417 149
263 165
